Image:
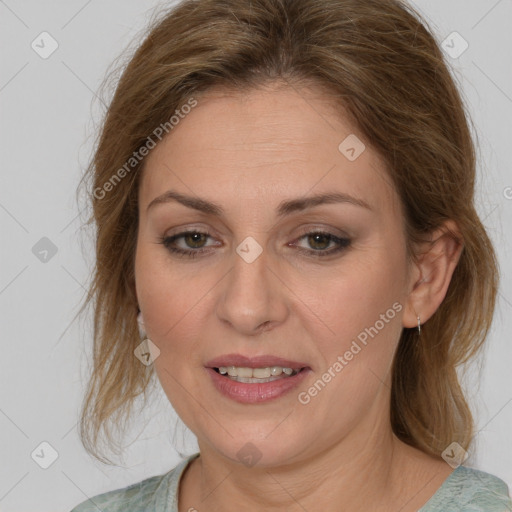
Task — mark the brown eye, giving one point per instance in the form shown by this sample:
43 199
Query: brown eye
194 240
319 243
194 243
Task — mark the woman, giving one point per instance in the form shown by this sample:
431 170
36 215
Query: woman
283 197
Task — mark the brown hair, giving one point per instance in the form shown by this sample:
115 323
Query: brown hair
381 62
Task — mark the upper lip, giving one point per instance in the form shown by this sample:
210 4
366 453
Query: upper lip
262 361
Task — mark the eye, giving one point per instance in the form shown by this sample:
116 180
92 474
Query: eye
193 239
321 240
195 243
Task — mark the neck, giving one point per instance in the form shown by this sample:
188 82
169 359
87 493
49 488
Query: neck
369 469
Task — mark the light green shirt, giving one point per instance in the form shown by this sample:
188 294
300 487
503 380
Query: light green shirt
465 490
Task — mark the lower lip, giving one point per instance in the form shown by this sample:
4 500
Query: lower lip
247 393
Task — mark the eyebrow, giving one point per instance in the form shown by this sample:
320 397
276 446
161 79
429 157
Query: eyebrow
285 207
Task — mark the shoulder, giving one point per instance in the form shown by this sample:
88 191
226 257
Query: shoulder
128 498
470 490
157 493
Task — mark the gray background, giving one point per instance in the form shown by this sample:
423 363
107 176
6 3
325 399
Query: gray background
49 115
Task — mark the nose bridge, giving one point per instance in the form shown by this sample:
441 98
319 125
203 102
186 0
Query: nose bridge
251 297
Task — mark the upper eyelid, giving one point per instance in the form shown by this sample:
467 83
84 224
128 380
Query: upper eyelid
310 227
304 232
182 234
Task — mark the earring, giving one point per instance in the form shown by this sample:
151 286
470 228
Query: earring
147 351
140 322
419 326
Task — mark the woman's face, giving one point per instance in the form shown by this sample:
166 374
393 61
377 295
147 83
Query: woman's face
264 282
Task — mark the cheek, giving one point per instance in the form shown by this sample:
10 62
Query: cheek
167 298
357 296
171 299
161 290
362 308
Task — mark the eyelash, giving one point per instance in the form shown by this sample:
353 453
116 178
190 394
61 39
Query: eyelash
343 243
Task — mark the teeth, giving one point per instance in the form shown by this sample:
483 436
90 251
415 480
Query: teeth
256 373
241 372
260 373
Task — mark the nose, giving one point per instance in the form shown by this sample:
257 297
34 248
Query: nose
253 297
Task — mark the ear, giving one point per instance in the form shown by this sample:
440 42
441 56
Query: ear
432 273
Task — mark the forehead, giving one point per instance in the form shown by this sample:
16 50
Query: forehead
273 141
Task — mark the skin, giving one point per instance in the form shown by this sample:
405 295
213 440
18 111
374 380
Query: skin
248 152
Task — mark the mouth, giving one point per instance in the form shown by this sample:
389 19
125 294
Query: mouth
255 379
257 375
